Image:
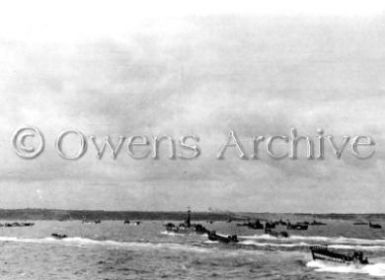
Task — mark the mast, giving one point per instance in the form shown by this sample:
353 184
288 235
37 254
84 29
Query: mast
188 218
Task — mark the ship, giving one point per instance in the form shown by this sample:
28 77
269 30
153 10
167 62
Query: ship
324 254
186 227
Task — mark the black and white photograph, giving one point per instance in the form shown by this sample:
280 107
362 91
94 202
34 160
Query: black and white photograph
192 140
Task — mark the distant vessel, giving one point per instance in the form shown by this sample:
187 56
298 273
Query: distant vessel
374 225
317 223
17 224
253 225
297 226
281 222
59 236
271 232
184 227
324 254
213 236
201 229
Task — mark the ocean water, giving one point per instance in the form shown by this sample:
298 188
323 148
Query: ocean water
113 250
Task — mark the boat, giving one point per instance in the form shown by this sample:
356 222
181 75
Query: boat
281 222
324 254
374 225
59 236
277 234
270 225
253 225
317 223
213 236
199 229
17 224
297 226
184 227
27 224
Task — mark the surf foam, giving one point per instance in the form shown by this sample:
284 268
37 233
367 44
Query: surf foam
376 269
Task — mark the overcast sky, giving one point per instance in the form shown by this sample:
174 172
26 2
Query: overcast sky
193 75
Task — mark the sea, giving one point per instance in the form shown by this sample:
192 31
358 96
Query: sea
114 250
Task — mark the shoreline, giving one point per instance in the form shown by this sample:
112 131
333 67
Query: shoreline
57 214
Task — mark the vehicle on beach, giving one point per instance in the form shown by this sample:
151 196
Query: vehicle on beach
324 254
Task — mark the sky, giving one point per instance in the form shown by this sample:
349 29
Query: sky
196 70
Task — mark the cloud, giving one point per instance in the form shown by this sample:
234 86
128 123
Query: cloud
202 76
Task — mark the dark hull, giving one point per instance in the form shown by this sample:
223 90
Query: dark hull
324 254
58 236
223 239
297 227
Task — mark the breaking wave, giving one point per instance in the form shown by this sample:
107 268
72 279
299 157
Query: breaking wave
79 241
376 269
303 242
171 233
338 240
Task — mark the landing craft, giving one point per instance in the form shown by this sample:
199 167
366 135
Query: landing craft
297 226
317 223
186 226
253 225
270 225
374 225
324 254
280 222
213 236
277 234
59 236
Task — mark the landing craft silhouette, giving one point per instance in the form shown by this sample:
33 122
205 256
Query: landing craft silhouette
324 254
